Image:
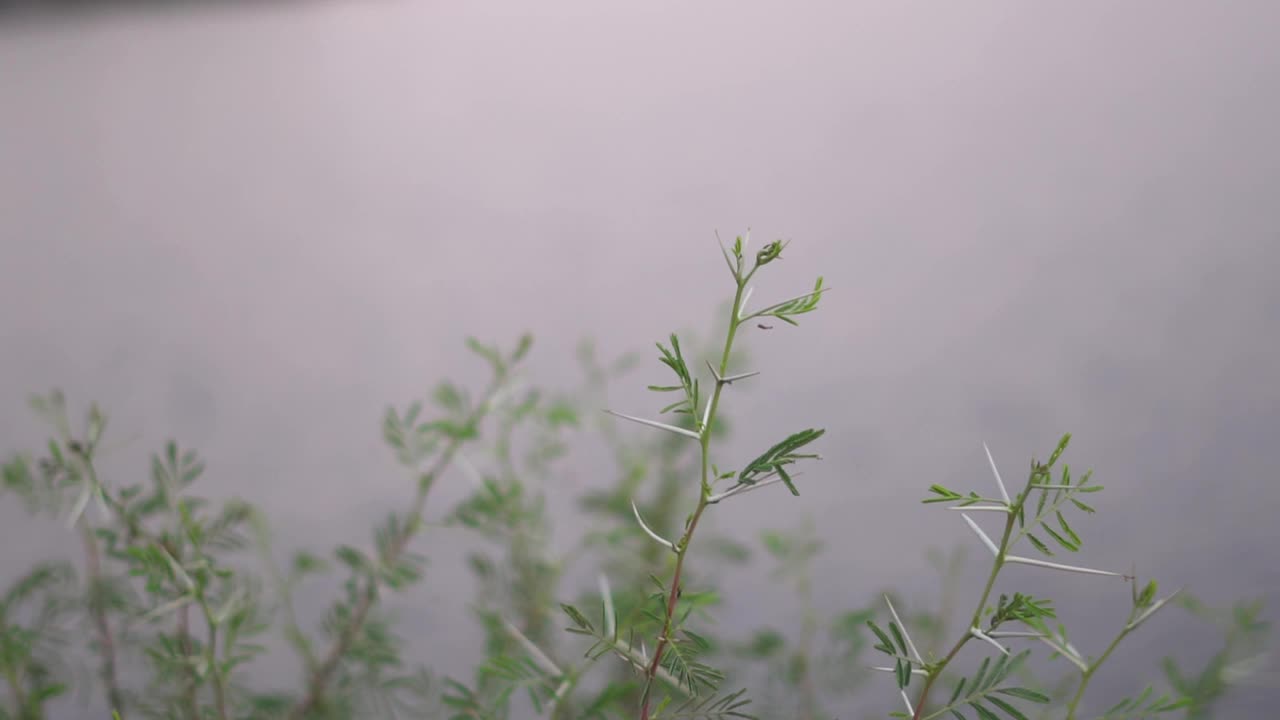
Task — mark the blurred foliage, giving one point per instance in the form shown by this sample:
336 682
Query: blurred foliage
173 598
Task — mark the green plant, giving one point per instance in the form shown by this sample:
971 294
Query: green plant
1037 508
1241 657
676 647
174 609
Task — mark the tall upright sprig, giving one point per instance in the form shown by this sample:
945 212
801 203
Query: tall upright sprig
653 478
773 465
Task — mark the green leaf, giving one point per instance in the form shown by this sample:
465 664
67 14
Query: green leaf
1065 543
886 645
1062 521
447 395
1039 545
1062 445
580 620
786 480
522 348
946 494
1082 506
1009 709
983 713
897 636
352 558
1025 694
782 453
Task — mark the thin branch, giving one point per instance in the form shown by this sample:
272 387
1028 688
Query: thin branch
323 673
184 642
98 612
219 683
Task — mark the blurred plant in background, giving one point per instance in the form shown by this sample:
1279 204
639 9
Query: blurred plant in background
173 596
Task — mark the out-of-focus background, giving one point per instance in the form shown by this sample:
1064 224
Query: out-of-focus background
253 226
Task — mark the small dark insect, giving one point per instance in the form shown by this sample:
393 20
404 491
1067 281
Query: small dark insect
762 326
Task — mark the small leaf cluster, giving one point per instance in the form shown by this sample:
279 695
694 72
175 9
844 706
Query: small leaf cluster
987 694
673 358
776 459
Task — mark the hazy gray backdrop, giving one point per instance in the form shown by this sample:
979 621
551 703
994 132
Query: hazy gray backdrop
252 229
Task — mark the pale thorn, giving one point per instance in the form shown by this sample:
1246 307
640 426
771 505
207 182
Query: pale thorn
658 538
985 540
470 471
991 508
231 605
168 607
914 670
1058 566
658 425
1067 652
733 270
1243 671
907 700
915 654
743 488
606 596
706 415
1015 634
86 493
104 512
560 691
508 392
1151 610
729 379
177 569
1003 493
977 632
504 391
746 297
534 651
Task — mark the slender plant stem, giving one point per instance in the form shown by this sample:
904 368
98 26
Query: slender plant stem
184 642
808 628
20 709
98 612
292 631
936 670
211 657
682 547
93 566
323 673
1087 675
